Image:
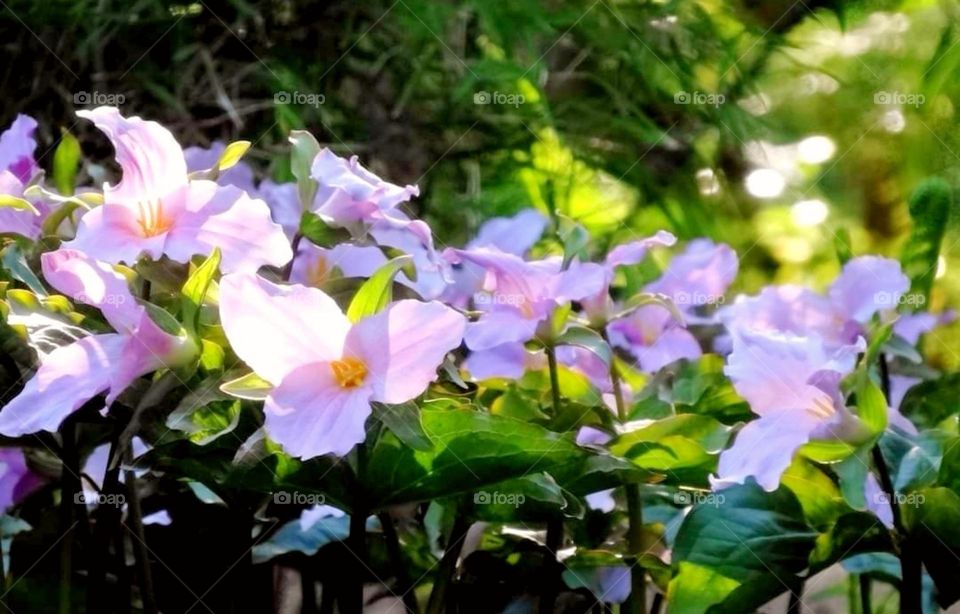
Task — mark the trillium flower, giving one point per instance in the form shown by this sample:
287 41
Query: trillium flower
793 384
73 374
700 275
654 337
866 285
326 371
513 235
314 265
17 167
157 210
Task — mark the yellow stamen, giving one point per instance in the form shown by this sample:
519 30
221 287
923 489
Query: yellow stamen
152 219
822 408
349 372
318 272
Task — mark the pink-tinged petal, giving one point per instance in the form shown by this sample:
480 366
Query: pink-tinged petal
499 326
226 217
510 279
580 281
25 223
276 329
635 251
284 203
602 501
510 360
200 159
69 377
672 345
586 362
899 385
698 276
764 448
415 239
590 436
877 500
150 158
91 282
17 147
786 309
314 265
112 233
774 371
348 192
910 326
16 479
867 285
403 345
310 415
513 235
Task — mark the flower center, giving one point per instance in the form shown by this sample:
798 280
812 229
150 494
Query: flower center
822 408
151 218
318 272
349 372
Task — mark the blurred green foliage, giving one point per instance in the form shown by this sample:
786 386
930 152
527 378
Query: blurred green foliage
628 116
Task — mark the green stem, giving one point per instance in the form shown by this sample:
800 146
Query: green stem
911 566
141 554
865 605
404 586
554 537
448 565
352 597
795 604
70 486
636 604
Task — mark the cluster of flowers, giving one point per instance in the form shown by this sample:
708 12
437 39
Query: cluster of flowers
788 348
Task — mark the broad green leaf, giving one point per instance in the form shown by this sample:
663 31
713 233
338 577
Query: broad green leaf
701 387
843 245
44 323
17 204
740 553
232 154
251 387
471 450
403 420
377 292
530 498
930 211
931 402
819 496
305 149
853 533
206 422
588 339
195 290
684 447
316 230
575 240
949 474
307 540
66 161
932 517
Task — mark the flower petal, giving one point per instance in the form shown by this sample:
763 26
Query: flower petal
513 235
499 326
309 415
91 282
276 329
867 285
69 377
314 265
403 345
764 449
112 233
635 251
698 276
150 158
225 217
17 147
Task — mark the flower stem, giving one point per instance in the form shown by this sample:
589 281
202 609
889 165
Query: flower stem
636 604
397 561
794 606
352 596
865 606
141 553
448 565
554 537
288 268
911 568
70 486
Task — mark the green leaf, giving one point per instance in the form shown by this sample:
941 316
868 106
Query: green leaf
251 387
932 517
931 402
842 245
292 537
316 230
575 240
232 154
701 387
930 211
588 339
471 450
530 498
740 553
819 496
205 420
45 324
305 149
17 204
66 161
853 533
403 420
685 447
871 405
377 292
195 290
15 261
